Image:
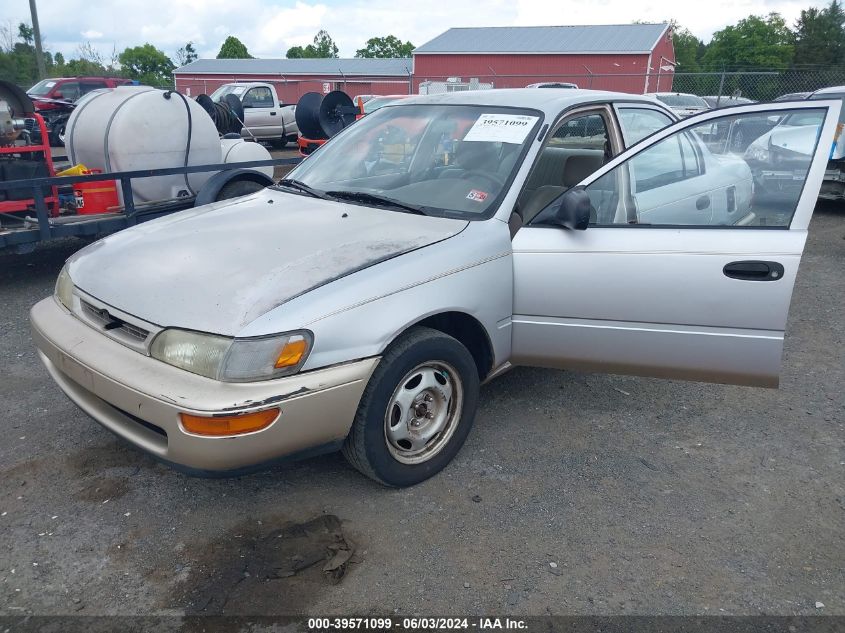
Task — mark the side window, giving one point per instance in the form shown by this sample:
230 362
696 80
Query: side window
576 148
259 97
740 170
69 90
671 161
86 87
637 123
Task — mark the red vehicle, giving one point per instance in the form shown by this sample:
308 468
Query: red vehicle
53 100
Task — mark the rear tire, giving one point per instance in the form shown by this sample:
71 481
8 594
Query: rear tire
238 188
416 410
279 143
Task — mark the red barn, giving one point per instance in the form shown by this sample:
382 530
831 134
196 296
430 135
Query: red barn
294 77
633 58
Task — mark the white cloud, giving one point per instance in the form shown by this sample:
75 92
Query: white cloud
270 27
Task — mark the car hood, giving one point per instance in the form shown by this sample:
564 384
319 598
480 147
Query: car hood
794 138
218 268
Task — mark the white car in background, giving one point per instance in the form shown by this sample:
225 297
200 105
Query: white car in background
682 104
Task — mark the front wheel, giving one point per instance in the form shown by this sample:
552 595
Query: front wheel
416 411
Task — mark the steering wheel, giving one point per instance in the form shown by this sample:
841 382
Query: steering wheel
491 177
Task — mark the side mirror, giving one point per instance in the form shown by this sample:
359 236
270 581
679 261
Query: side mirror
573 211
58 95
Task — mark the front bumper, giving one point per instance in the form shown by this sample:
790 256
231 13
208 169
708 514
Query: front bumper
140 398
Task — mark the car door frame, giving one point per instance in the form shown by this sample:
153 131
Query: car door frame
266 122
619 298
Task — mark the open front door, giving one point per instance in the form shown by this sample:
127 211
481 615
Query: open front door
687 267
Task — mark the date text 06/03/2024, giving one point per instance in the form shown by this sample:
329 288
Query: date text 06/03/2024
415 624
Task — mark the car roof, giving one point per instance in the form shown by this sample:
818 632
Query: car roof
550 101
673 94
830 90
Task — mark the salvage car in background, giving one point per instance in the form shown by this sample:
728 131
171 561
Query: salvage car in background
682 104
359 303
833 187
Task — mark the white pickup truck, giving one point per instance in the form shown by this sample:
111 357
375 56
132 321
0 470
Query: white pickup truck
266 118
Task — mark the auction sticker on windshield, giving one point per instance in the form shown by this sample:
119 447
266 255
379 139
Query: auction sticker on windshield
501 128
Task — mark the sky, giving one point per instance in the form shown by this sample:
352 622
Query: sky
270 27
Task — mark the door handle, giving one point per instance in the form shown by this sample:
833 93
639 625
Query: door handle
754 270
272 114
702 203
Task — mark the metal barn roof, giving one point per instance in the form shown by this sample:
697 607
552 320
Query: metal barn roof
597 39
331 66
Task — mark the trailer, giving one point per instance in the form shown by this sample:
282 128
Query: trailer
38 219
38 204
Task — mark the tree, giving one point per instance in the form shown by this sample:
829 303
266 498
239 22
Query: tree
147 64
687 49
819 36
389 47
755 42
323 47
233 48
186 54
26 33
296 52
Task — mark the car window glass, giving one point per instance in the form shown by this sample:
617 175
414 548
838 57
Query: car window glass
86 87
741 171
69 90
259 97
576 148
638 123
454 160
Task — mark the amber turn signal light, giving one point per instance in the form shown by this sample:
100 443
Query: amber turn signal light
291 353
228 424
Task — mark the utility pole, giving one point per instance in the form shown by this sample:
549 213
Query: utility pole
36 31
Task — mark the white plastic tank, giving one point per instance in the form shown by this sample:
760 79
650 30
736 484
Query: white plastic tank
137 127
236 150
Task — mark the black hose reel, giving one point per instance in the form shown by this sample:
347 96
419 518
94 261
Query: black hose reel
227 114
321 117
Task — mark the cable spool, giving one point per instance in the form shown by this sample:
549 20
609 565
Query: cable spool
227 116
308 115
336 112
19 102
320 117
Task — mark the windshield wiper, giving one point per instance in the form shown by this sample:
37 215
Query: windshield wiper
298 185
374 198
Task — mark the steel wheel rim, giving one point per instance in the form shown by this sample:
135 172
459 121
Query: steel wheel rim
62 134
423 412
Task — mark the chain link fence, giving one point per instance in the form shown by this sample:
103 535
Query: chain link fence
762 85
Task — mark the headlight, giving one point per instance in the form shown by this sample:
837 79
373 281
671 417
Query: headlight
233 359
64 288
757 153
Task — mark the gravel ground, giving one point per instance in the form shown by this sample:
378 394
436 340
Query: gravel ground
649 496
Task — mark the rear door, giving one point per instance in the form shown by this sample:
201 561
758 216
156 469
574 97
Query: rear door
694 286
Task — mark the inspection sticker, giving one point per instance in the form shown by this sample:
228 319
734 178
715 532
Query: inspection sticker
478 196
501 128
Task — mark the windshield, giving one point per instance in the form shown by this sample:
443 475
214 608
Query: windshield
42 87
448 160
377 102
683 101
222 91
